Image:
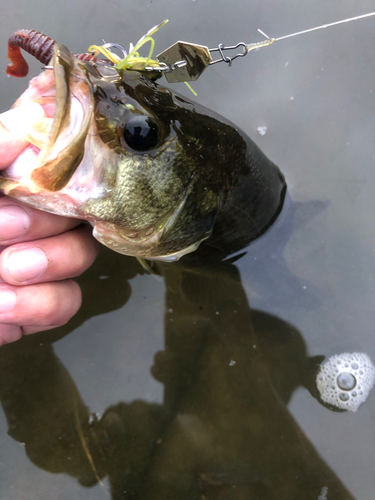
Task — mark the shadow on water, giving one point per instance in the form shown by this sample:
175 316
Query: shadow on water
223 430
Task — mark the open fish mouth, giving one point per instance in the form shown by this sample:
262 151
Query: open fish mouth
63 100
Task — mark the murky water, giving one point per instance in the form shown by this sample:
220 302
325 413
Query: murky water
200 383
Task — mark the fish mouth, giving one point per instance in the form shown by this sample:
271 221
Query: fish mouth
57 138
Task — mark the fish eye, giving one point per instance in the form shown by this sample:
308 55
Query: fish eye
142 133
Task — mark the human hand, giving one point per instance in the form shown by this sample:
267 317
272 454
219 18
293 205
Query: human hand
40 252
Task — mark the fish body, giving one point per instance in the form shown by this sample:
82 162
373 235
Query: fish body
154 173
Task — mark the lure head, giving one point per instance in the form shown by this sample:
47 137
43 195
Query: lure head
150 170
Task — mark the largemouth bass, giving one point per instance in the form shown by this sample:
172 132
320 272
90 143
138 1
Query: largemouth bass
154 173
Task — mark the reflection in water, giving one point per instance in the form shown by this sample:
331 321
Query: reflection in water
223 430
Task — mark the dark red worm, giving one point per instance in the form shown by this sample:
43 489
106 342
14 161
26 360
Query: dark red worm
38 45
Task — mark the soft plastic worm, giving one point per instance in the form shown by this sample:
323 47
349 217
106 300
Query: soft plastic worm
38 45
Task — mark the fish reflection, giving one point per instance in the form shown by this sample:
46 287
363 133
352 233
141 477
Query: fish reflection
223 430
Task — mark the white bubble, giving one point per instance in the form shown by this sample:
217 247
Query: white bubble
262 129
337 389
323 493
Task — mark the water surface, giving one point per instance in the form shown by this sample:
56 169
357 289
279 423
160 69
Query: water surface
199 383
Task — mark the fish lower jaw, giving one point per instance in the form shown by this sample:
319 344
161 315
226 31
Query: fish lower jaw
146 249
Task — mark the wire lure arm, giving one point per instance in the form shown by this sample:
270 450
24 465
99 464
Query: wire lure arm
186 61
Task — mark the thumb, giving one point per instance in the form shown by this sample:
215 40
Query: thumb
13 126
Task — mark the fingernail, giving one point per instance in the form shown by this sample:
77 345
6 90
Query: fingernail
8 300
14 222
28 264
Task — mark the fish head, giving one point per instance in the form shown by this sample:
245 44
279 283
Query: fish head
150 170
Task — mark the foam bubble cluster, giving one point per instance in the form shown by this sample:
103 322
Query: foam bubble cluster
345 380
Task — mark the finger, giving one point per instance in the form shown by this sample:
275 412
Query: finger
9 333
64 256
13 124
12 333
10 147
21 223
43 305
